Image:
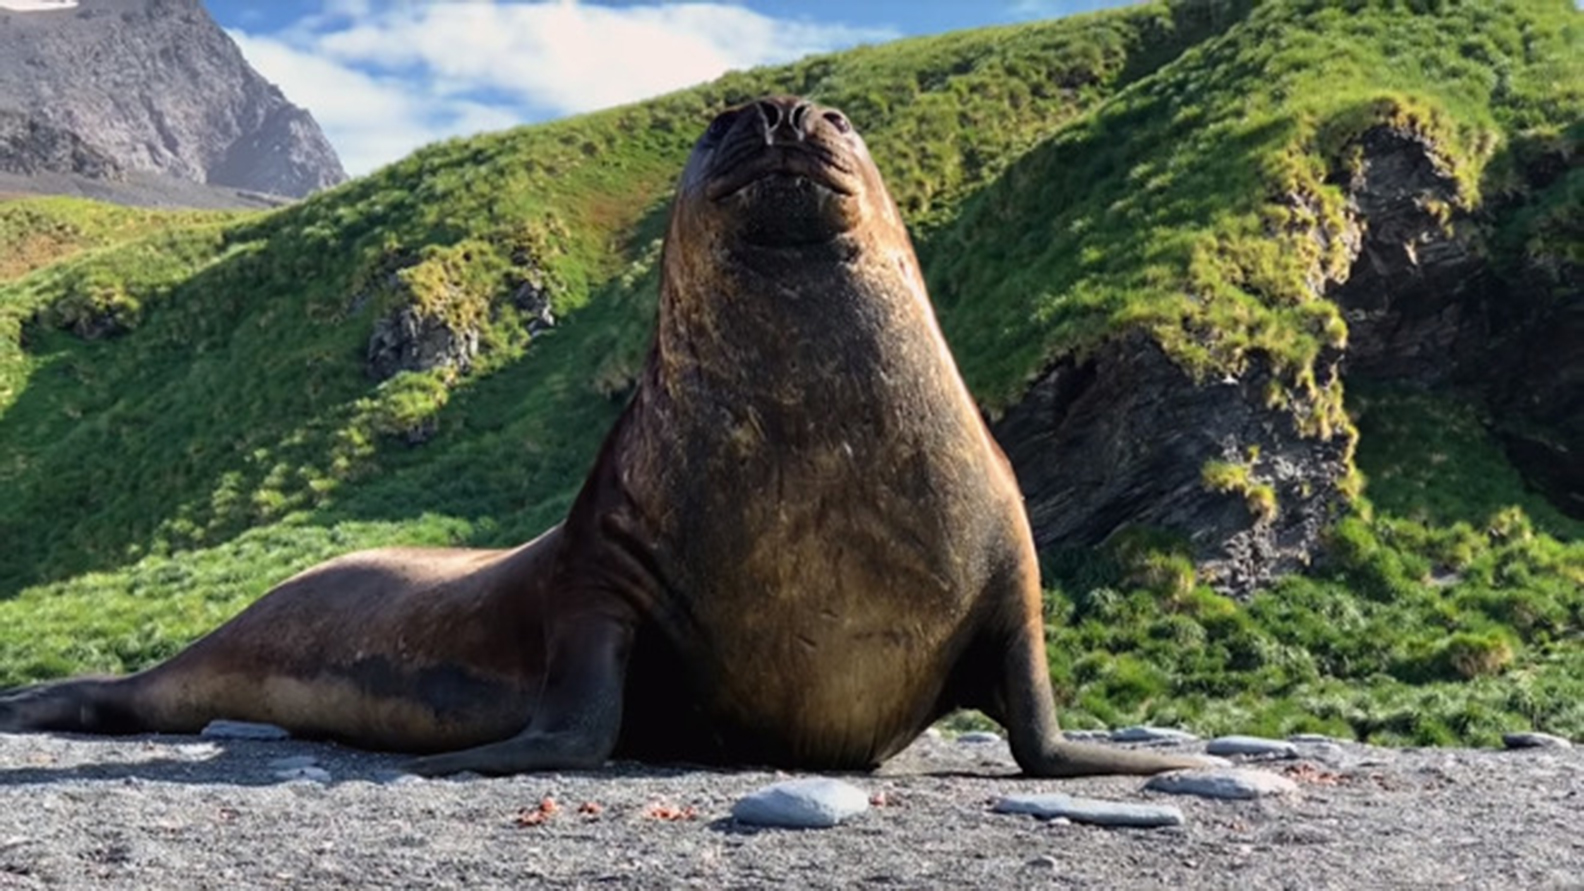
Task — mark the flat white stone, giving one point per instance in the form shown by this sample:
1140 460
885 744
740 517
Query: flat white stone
1087 735
814 803
1533 739
1095 811
243 730
1312 738
1152 734
978 737
1251 745
313 774
1237 782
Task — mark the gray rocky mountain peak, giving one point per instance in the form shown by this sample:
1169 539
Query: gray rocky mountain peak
108 88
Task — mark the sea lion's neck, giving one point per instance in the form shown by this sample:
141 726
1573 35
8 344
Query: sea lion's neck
847 313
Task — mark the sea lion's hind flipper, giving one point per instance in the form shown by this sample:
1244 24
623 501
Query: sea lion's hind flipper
79 705
579 717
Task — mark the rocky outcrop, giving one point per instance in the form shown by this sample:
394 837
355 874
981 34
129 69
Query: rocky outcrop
410 340
1124 438
150 86
1405 296
1428 304
438 318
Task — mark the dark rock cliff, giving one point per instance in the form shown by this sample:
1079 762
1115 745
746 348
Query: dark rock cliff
1124 437
150 86
1434 301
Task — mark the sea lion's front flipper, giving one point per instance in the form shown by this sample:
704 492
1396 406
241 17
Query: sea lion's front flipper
1024 705
579 716
1005 674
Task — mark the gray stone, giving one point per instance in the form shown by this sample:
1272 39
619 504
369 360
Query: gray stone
813 803
222 729
1087 735
1533 739
1241 783
312 774
1251 745
1094 811
1152 734
978 737
1313 739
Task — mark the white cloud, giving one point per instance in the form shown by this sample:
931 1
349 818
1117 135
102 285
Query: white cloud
383 79
371 120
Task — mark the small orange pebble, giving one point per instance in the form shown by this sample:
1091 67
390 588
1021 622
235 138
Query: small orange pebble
879 799
1308 773
537 816
659 811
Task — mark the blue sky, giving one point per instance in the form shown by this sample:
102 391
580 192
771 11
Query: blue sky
383 77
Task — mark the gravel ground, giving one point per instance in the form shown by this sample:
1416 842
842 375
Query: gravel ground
169 811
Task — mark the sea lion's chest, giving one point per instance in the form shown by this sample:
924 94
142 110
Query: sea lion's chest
821 508
826 564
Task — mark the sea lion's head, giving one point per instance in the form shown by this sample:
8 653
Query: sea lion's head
780 172
783 243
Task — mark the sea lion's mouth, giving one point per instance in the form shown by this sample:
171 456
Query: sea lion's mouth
811 162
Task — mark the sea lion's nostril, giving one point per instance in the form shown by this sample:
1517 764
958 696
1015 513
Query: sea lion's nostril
771 114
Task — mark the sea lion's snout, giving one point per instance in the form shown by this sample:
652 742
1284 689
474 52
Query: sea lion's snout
778 136
789 171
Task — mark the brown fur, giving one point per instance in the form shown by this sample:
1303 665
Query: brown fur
798 546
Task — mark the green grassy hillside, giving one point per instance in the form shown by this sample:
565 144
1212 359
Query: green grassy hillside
35 232
185 418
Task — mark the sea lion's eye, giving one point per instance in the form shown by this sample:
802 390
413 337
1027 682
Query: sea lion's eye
720 125
839 121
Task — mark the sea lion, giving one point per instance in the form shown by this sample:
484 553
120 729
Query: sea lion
799 546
